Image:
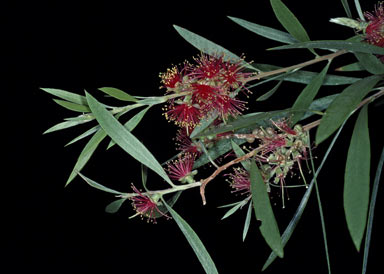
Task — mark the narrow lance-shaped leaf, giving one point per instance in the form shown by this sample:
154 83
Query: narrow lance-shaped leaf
269 93
370 62
303 203
118 94
264 212
306 97
305 77
194 241
343 105
346 8
115 206
72 106
270 33
335 45
371 214
86 153
356 179
289 21
132 123
351 67
64 125
208 46
84 134
359 11
239 152
96 185
247 221
236 207
126 140
66 95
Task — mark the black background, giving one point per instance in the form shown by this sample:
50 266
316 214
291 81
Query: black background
52 229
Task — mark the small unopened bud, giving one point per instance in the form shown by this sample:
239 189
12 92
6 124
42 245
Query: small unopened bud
270 131
250 140
348 22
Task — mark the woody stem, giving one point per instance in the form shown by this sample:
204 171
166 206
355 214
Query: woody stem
297 66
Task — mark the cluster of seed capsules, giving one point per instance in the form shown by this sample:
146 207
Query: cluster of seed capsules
280 152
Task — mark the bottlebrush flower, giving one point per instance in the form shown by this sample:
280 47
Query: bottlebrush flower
185 144
184 114
213 68
374 32
230 106
208 67
181 169
171 78
146 206
240 181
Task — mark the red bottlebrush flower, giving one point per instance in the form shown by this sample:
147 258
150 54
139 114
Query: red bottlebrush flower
171 78
185 143
184 114
230 106
208 67
271 144
240 181
232 74
181 169
374 32
203 94
208 98
283 126
145 206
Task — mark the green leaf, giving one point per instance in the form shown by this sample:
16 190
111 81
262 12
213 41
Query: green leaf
306 97
303 203
351 67
270 33
66 95
264 212
268 94
126 140
319 105
83 135
72 106
370 62
208 46
118 94
206 122
99 186
239 152
289 21
144 176
247 221
372 211
234 209
86 153
64 125
194 241
305 77
336 45
132 123
356 179
244 121
359 11
115 206
346 8
343 105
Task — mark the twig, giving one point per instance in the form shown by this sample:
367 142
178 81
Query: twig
224 167
297 66
362 103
